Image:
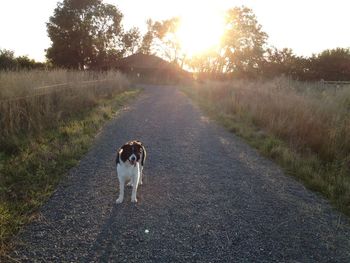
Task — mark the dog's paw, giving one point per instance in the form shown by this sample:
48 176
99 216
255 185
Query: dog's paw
133 200
119 200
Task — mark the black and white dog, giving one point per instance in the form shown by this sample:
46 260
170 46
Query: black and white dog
130 161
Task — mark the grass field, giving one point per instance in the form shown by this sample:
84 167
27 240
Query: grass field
45 131
32 101
304 128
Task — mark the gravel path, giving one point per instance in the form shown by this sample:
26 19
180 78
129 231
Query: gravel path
207 197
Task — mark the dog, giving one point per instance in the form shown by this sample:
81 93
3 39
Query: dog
130 161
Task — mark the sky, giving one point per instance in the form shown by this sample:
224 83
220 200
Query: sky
306 26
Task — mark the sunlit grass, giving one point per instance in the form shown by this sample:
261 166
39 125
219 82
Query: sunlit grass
303 127
31 101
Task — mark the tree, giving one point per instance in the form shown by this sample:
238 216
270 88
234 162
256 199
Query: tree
164 39
243 43
23 62
84 33
285 62
7 60
278 62
131 41
147 39
331 64
206 62
241 51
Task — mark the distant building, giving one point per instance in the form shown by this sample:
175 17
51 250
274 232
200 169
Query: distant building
151 69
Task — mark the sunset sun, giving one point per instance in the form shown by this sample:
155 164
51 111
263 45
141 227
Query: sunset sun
200 32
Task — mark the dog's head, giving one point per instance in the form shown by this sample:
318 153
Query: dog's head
131 152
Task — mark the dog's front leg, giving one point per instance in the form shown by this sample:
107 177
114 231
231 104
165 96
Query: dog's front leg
135 184
141 175
121 190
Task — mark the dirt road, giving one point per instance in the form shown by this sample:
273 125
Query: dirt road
207 197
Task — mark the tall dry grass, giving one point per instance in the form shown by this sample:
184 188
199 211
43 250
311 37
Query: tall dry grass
312 120
48 119
302 115
32 101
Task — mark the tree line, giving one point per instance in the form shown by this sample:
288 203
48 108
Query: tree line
88 34
8 61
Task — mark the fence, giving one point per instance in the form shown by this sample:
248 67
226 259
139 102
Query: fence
335 83
47 90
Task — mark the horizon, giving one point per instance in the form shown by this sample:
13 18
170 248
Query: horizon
319 26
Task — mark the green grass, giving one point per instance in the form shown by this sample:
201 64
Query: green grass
323 166
31 173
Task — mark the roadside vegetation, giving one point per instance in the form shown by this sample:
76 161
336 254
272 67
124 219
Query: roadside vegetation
48 120
31 101
303 126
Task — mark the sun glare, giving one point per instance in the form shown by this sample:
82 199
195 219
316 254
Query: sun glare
200 31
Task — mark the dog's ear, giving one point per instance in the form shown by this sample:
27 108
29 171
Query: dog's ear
118 156
143 155
125 152
139 143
